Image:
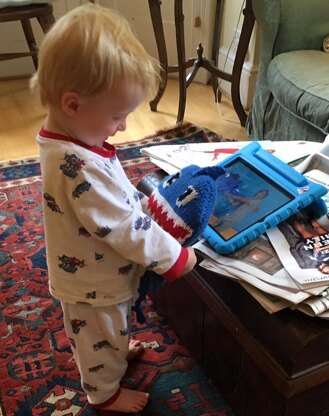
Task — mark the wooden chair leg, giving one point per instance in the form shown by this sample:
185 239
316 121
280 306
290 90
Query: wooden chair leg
246 30
215 47
180 42
42 12
155 11
46 22
29 36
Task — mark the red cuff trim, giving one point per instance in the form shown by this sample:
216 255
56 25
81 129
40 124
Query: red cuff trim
177 269
108 402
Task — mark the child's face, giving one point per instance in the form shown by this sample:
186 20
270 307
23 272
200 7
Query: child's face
106 113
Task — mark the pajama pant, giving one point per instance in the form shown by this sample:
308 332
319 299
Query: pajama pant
99 338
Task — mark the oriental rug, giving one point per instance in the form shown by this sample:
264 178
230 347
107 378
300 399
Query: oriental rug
38 376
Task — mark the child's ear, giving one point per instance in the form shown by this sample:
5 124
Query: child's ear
70 103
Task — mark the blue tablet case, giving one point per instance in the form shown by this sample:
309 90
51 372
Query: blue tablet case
263 192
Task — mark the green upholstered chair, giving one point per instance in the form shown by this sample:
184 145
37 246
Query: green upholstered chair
291 99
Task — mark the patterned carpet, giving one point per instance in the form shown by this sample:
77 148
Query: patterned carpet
38 375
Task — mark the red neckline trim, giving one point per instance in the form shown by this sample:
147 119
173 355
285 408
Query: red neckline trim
108 151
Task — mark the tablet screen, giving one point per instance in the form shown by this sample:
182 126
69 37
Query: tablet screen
244 197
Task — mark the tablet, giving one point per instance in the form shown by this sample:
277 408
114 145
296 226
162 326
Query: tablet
258 192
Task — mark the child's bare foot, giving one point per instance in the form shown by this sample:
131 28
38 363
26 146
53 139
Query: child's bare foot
135 348
129 401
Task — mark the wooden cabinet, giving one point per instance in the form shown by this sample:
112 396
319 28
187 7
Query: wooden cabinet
264 365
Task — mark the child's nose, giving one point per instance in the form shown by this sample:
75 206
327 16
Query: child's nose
122 125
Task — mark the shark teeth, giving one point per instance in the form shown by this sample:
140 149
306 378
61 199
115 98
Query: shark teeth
167 218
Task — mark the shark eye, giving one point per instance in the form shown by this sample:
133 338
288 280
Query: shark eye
187 196
171 180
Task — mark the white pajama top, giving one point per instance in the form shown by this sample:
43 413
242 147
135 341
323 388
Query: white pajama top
99 237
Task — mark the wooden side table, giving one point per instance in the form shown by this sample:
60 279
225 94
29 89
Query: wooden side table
200 61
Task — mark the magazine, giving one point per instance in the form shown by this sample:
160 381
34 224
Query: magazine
171 158
302 241
174 157
302 244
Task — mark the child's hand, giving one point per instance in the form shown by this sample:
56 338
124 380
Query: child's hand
191 261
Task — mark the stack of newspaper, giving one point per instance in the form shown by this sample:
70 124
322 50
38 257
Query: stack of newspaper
288 266
171 158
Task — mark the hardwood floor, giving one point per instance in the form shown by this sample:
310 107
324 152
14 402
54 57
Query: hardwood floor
21 116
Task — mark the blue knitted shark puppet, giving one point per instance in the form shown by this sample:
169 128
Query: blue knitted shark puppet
183 203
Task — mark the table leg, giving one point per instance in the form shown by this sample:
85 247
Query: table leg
180 42
246 30
215 47
210 65
156 17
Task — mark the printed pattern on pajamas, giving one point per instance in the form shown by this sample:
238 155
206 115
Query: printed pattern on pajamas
99 338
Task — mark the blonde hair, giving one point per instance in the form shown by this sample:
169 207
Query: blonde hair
90 49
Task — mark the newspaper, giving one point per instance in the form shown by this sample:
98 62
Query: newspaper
257 258
244 264
269 302
316 307
171 158
272 298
